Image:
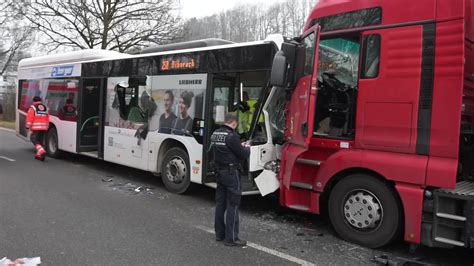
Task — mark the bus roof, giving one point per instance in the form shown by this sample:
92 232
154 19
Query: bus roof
185 45
94 55
70 57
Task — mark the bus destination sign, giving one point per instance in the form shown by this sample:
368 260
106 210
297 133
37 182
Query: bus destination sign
179 62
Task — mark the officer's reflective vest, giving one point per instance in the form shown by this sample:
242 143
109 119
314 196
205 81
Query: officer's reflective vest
245 118
37 117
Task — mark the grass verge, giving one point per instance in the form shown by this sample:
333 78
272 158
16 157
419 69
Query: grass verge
7 124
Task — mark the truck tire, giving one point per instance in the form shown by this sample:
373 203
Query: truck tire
175 171
52 147
365 210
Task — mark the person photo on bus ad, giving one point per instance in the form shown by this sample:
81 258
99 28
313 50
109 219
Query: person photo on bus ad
183 124
168 117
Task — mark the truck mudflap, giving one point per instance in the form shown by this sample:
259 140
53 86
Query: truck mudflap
448 218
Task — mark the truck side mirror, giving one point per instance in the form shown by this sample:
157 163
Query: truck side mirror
279 70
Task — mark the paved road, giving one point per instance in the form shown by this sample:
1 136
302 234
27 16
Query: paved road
77 210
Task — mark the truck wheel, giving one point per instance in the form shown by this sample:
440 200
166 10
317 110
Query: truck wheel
52 147
175 170
365 210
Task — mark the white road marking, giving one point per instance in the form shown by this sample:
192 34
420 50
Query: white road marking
266 250
8 159
280 254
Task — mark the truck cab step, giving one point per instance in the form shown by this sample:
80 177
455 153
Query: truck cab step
463 189
449 241
453 219
451 216
301 185
308 161
299 207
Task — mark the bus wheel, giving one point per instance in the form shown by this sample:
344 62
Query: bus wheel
175 171
365 210
52 143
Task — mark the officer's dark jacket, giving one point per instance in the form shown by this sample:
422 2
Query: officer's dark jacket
227 147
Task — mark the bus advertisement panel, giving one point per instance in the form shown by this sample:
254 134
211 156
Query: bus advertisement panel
147 110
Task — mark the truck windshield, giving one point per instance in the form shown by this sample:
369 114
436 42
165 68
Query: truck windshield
339 56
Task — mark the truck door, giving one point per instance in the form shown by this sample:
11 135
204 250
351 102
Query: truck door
301 107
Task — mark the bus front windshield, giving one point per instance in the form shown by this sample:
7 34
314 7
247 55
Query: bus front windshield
276 113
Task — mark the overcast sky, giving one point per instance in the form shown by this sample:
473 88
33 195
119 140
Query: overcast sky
201 8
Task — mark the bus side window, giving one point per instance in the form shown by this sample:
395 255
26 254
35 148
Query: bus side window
128 100
371 56
135 114
124 97
61 98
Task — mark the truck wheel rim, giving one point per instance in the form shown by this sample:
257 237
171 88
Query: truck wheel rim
176 170
362 210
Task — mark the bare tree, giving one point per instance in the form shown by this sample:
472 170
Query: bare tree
121 25
20 40
5 5
16 37
252 22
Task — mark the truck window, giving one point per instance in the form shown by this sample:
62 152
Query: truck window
339 56
309 54
371 57
338 68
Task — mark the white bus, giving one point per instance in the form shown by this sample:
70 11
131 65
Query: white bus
154 111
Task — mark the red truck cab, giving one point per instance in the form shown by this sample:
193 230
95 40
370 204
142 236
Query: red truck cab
379 125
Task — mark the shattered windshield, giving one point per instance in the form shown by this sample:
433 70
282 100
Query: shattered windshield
276 112
339 56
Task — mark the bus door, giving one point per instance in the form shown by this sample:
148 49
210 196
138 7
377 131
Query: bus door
221 99
225 95
90 126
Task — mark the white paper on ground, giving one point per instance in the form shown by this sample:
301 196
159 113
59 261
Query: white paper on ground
267 182
23 261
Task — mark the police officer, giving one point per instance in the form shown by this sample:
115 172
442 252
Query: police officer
228 152
37 120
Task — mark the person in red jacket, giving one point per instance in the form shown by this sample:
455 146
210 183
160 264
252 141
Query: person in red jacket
37 120
68 112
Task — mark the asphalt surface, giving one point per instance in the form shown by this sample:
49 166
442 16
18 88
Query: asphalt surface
81 211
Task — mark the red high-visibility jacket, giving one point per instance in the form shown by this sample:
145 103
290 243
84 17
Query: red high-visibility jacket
68 113
38 117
